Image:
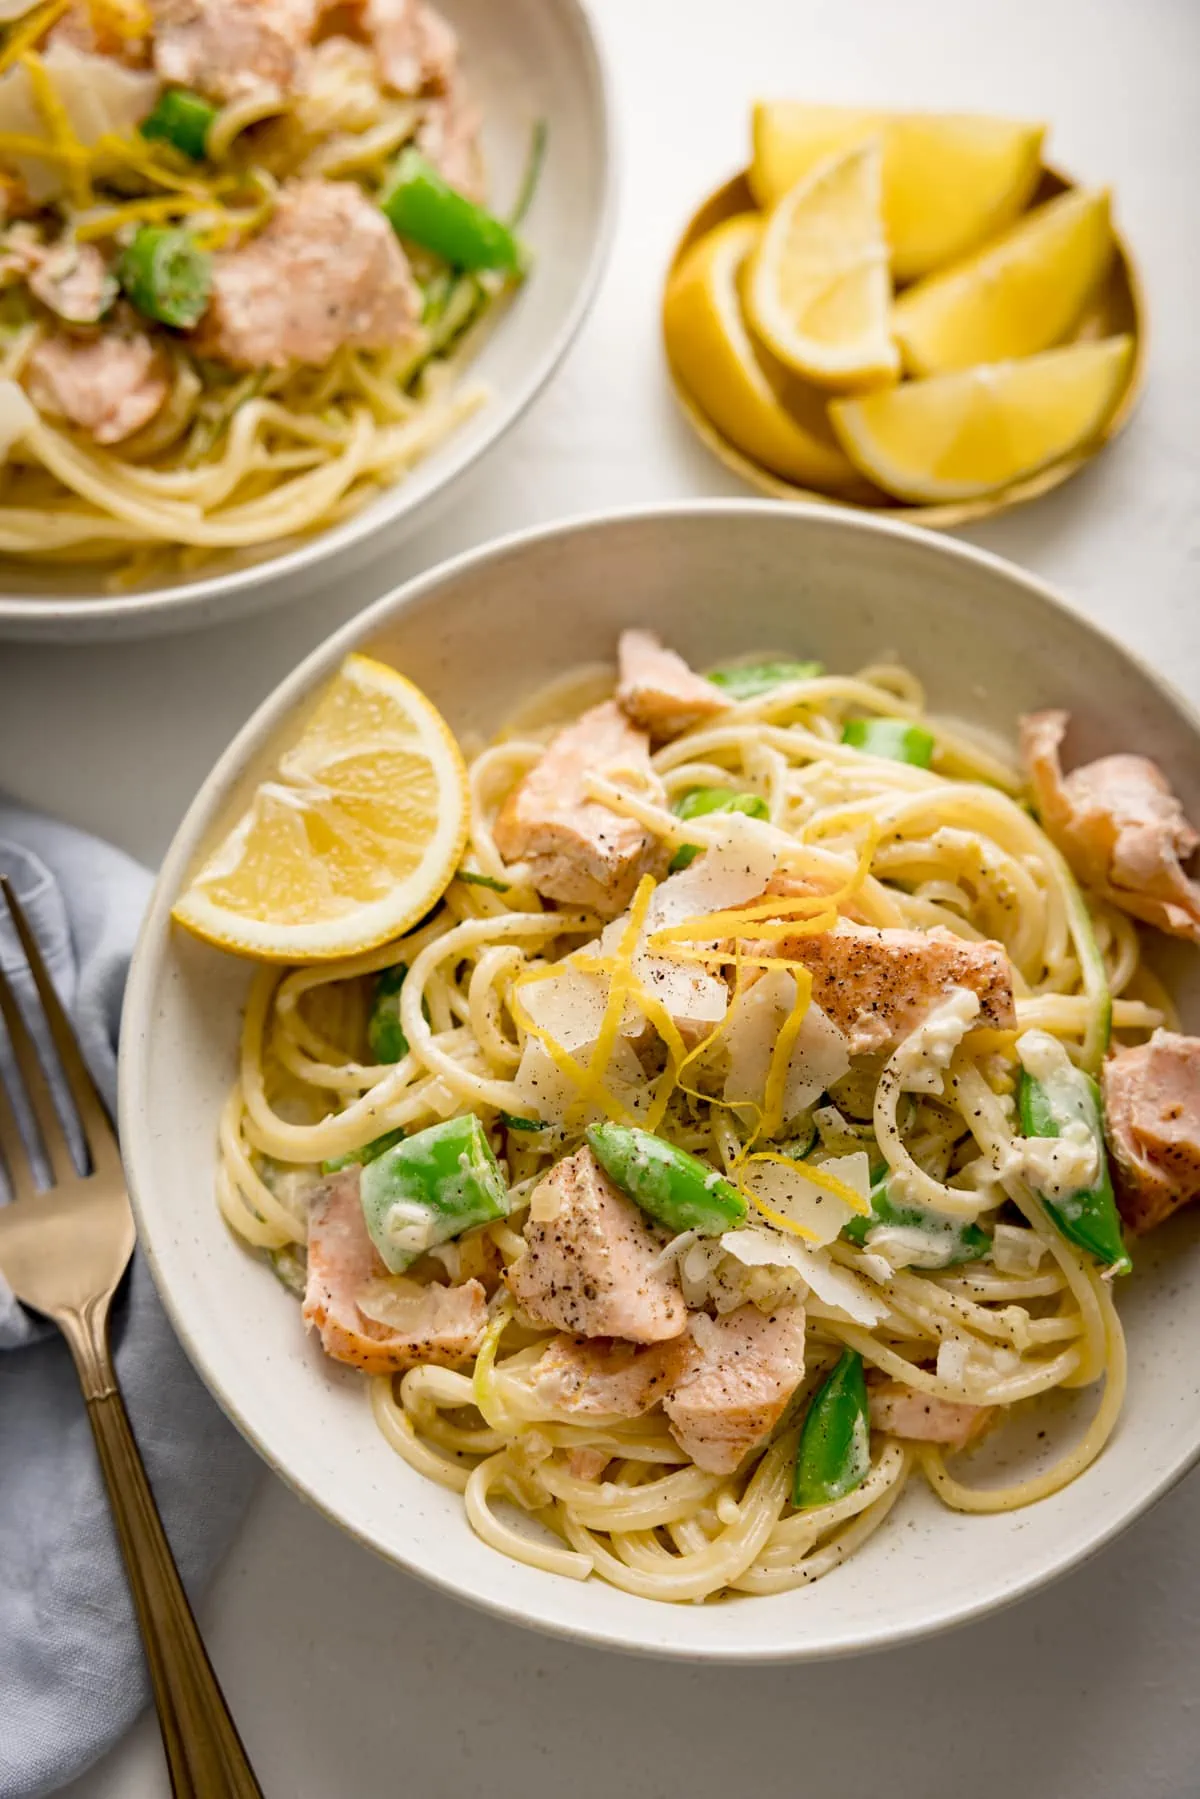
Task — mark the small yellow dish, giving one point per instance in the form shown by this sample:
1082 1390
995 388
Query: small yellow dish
1118 308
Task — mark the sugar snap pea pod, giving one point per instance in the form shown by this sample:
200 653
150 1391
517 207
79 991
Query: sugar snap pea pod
746 680
946 1241
387 1041
181 118
513 1123
429 1188
166 277
833 1455
423 207
895 738
1057 1100
675 1188
699 802
370 1152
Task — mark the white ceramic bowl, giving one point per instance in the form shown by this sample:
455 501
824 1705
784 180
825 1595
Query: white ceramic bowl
527 60
480 634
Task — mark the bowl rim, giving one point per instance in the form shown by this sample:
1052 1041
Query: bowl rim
157 606
153 945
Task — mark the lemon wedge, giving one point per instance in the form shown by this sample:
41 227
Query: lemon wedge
961 435
950 180
763 411
1019 295
352 838
817 291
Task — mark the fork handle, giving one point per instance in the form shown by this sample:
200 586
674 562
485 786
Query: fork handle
204 1753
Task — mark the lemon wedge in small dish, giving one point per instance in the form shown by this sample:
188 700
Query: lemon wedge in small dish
818 292
353 837
763 411
1016 296
950 180
961 435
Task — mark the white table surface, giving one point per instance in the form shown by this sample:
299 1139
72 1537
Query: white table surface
349 1678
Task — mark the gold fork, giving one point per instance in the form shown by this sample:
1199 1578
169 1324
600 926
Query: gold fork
63 1253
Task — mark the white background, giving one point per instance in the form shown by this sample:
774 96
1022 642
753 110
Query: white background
350 1679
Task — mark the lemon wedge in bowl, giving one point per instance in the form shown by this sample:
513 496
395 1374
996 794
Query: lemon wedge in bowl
1016 296
763 411
818 292
353 837
961 435
950 180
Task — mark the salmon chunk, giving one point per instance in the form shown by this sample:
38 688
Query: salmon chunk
577 849
591 1266
417 51
1152 1113
607 1377
110 386
903 1412
746 1366
448 137
878 986
433 1324
1119 825
228 49
658 691
73 281
286 296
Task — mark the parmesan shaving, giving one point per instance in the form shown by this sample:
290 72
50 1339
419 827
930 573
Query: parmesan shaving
821 1215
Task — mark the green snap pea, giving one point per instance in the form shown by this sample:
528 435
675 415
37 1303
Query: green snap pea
370 1152
833 1455
429 1188
746 680
424 208
513 1123
952 1239
183 119
166 277
469 876
700 801
1050 1100
675 1188
385 1038
894 738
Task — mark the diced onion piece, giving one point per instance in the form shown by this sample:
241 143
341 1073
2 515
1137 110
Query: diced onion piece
952 1360
1016 1250
17 416
784 1188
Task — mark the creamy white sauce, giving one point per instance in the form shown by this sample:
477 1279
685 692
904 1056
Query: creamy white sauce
923 1058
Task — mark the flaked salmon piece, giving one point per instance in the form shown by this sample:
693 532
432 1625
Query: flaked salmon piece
285 297
449 137
878 986
607 1377
591 1266
110 386
658 691
337 89
903 1412
416 49
578 850
744 1369
1118 824
72 280
439 1324
228 49
1152 1114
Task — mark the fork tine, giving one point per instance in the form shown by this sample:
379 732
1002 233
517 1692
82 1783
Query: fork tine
37 1087
17 1164
93 1117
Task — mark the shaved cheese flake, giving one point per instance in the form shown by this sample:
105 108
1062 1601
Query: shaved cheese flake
757 1017
16 417
734 871
783 1188
99 97
836 1287
566 1004
547 1088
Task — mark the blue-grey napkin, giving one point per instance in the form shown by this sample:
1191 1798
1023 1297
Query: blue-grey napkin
72 1678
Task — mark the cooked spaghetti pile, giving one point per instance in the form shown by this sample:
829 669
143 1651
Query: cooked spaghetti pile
738 1136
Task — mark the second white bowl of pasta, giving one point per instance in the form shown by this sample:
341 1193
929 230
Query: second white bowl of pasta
726 1192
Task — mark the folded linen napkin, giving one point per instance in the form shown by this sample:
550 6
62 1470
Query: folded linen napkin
72 1677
